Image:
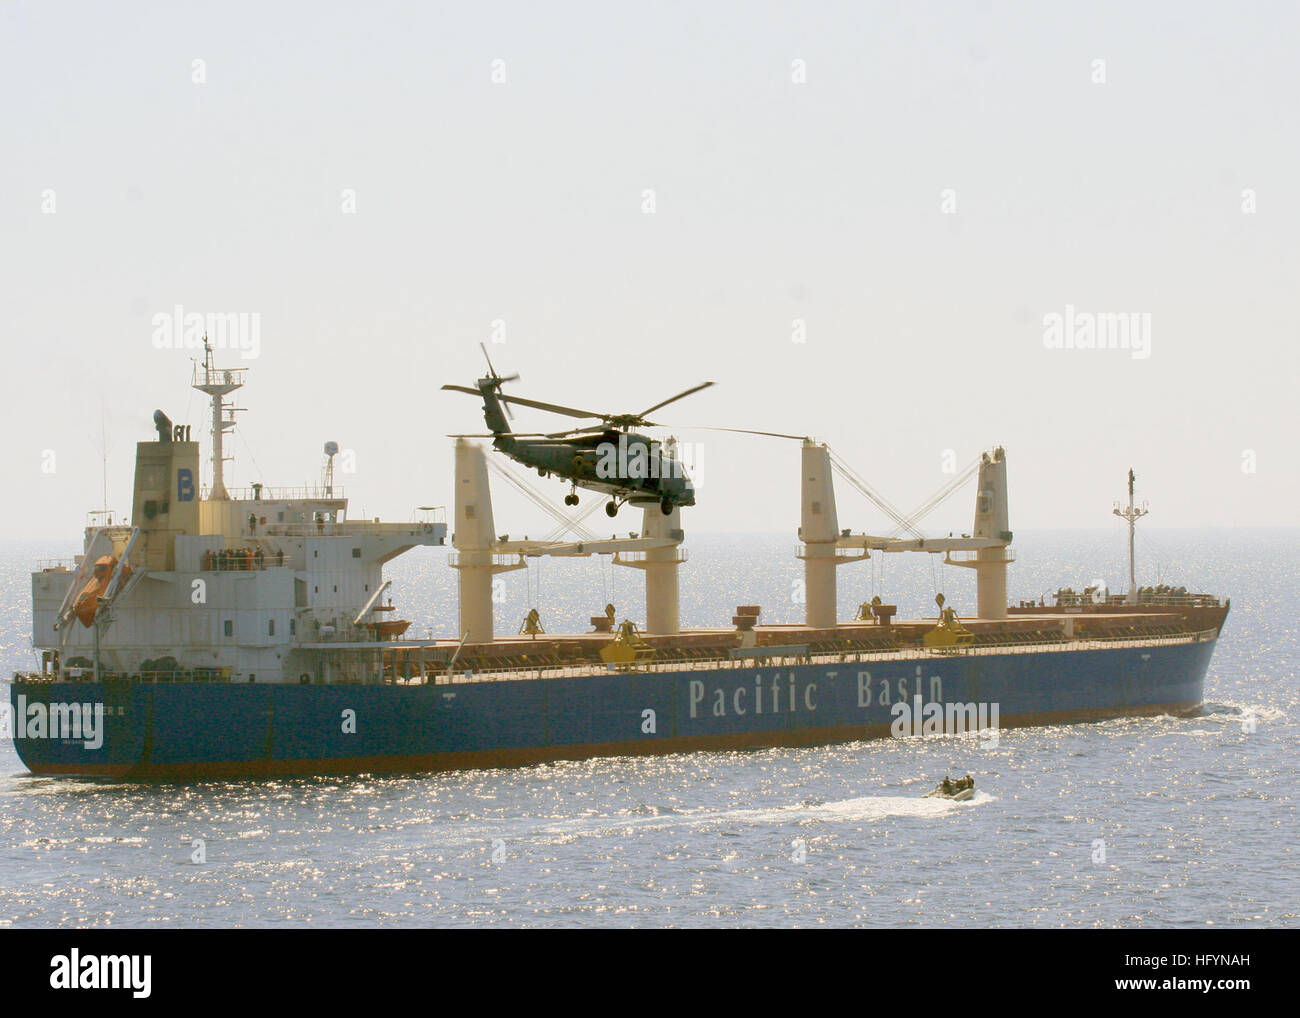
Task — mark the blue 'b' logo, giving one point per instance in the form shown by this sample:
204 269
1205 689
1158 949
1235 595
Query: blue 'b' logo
184 485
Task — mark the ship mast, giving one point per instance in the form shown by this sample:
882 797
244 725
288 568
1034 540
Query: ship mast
217 385
1132 514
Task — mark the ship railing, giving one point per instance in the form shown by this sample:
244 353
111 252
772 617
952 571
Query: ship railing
586 668
719 659
1144 600
238 560
678 555
149 677
347 528
1175 600
291 494
210 376
970 556
829 550
454 559
435 672
51 565
1078 643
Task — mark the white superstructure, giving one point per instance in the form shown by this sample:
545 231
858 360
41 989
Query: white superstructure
262 585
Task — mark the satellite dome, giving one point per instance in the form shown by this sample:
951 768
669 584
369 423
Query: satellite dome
331 448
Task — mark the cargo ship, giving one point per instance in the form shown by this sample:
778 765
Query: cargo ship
247 633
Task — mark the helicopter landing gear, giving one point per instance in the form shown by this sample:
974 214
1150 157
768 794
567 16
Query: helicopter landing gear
611 508
570 499
665 507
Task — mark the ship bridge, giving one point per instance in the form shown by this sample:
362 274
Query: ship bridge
221 581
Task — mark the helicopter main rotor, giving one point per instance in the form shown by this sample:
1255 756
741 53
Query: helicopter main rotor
617 422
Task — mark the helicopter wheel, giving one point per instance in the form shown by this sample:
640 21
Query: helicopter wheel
611 508
665 507
570 499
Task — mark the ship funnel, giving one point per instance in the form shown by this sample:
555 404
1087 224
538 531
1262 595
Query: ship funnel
165 502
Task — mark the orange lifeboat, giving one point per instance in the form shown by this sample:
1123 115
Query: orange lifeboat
388 628
87 603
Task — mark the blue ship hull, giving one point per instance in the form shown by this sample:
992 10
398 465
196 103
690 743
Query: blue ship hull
192 730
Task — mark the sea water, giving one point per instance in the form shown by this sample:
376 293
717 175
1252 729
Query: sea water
1151 822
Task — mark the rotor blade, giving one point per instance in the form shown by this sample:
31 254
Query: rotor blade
748 431
552 407
463 388
491 370
596 430
674 399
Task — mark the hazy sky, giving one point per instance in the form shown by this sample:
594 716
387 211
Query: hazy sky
920 185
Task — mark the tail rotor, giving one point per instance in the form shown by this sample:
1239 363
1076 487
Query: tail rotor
497 381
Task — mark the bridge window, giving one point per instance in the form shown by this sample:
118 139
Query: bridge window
270 627
228 627
356 552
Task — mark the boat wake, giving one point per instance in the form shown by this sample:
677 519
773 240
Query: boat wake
857 810
1214 718
1234 713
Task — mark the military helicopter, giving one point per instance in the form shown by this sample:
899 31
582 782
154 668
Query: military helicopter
607 456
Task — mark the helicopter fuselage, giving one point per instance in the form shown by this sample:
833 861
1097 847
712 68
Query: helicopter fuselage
629 466
609 458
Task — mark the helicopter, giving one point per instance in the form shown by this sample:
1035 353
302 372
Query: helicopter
605 456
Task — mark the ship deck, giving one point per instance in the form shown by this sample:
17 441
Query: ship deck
546 671
444 661
509 657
